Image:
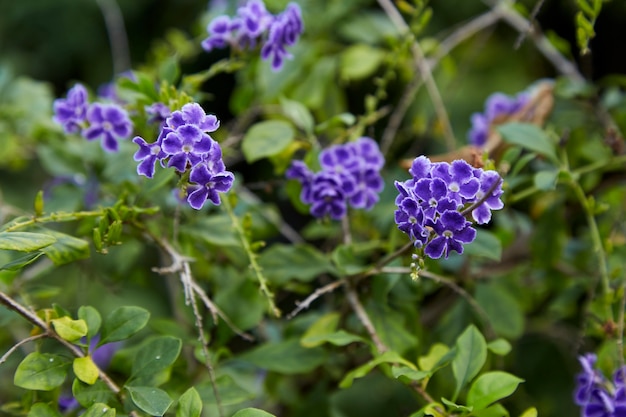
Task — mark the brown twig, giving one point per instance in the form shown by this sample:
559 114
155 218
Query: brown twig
306 303
29 339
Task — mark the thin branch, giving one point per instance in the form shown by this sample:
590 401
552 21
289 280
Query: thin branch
363 317
533 15
114 22
424 70
306 303
30 316
620 332
9 352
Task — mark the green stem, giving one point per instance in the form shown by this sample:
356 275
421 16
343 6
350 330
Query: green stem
55 217
596 239
251 257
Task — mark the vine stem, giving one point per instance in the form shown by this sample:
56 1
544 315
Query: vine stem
596 239
425 71
114 22
251 257
55 217
30 316
29 339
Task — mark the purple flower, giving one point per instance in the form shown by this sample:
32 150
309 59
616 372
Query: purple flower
187 141
71 112
254 23
149 153
108 122
284 31
350 171
595 395
430 204
497 106
459 178
158 113
410 219
209 178
487 179
327 196
452 232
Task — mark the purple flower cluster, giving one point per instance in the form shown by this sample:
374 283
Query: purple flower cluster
431 203
106 121
596 396
350 175
184 144
497 105
252 25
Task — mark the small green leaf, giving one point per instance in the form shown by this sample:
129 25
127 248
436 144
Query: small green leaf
85 370
530 137
360 61
230 392
155 355
68 329
266 138
92 318
87 395
43 410
189 404
546 180
252 412
21 262
499 347
430 361
286 357
455 408
152 400
99 410
321 327
338 338
122 323
491 387
41 371
530 412
25 241
361 371
408 373
470 357
298 113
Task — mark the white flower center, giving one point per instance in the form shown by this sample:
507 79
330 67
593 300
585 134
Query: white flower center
187 148
155 149
454 187
447 234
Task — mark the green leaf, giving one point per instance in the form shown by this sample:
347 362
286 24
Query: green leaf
156 355
85 370
471 355
530 137
122 323
408 373
321 327
99 410
92 318
43 410
486 245
189 404
360 61
266 138
338 338
491 387
229 390
351 259
286 357
152 400
66 248
503 309
68 329
252 412
87 395
25 241
41 371
282 263
21 262
546 180
499 347
298 113
361 371
430 361
455 408
530 412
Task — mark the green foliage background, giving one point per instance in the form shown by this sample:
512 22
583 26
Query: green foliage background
540 295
